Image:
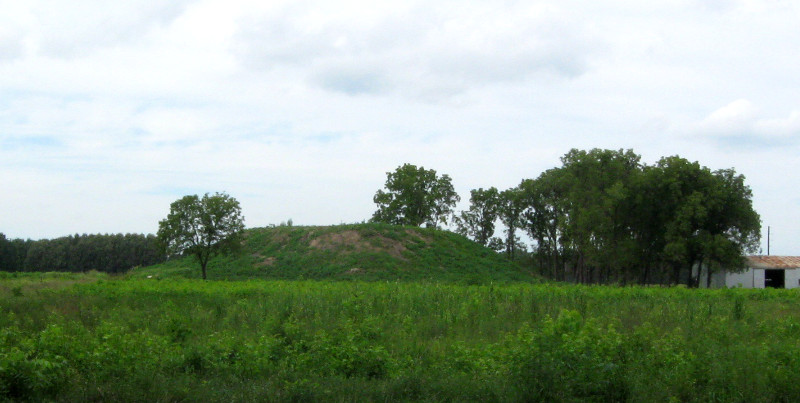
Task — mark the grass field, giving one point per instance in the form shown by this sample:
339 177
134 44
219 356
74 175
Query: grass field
92 337
358 252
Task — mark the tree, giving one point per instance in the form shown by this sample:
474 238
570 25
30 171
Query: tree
80 253
510 207
649 208
597 223
203 227
6 254
478 221
543 219
415 196
709 219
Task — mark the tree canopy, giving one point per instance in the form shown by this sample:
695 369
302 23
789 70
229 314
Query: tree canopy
415 196
110 253
203 227
478 222
605 217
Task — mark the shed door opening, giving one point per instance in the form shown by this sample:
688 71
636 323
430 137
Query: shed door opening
774 278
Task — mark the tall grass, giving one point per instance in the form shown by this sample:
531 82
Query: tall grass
178 339
354 252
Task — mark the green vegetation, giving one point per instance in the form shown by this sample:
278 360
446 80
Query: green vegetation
371 251
110 253
202 227
425 314
415 196
605 217
478 222
602 217
181 339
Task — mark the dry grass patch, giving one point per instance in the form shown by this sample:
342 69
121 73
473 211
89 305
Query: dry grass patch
351 241
260 260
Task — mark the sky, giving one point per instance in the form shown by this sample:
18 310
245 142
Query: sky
110 111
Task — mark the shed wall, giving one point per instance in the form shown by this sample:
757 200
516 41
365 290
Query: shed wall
743 279
792 278
759 281
754 278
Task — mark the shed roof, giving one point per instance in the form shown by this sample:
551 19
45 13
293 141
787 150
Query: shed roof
774 262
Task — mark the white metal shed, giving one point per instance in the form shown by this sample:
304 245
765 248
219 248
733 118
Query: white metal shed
762 272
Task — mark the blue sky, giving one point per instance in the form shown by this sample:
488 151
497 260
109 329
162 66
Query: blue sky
109 111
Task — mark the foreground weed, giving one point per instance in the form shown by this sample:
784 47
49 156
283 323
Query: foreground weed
156 340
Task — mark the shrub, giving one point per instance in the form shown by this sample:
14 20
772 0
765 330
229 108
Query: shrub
568 359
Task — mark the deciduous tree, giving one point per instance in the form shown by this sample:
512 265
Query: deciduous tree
203 227
544 219
478 222
709 219
607 218
415 196
511 206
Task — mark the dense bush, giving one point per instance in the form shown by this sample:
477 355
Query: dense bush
80 253
365 252
134 340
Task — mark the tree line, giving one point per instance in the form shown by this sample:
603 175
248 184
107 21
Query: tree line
603 216
111 253
200 227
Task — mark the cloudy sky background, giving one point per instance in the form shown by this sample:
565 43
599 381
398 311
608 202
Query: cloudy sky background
109 111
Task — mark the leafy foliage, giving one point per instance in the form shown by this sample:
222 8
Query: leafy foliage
604 217
115 253
203 227
369 251
478 222
511 206
178 339
415 196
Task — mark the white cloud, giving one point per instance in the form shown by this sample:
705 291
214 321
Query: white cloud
734 118
422 48
108 112
76 28
11 46
743 124
352 81
782 127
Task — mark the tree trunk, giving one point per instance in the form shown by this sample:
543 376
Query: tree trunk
699 271
676 274
645 273
561 263
708 273
203 259
511 241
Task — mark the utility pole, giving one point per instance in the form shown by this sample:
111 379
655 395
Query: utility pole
768 230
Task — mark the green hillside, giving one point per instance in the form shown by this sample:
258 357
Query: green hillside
352 252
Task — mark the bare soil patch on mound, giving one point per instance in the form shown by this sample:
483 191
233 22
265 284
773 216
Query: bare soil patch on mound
263 261
351 241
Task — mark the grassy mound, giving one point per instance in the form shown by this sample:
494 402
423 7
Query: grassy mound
357 252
